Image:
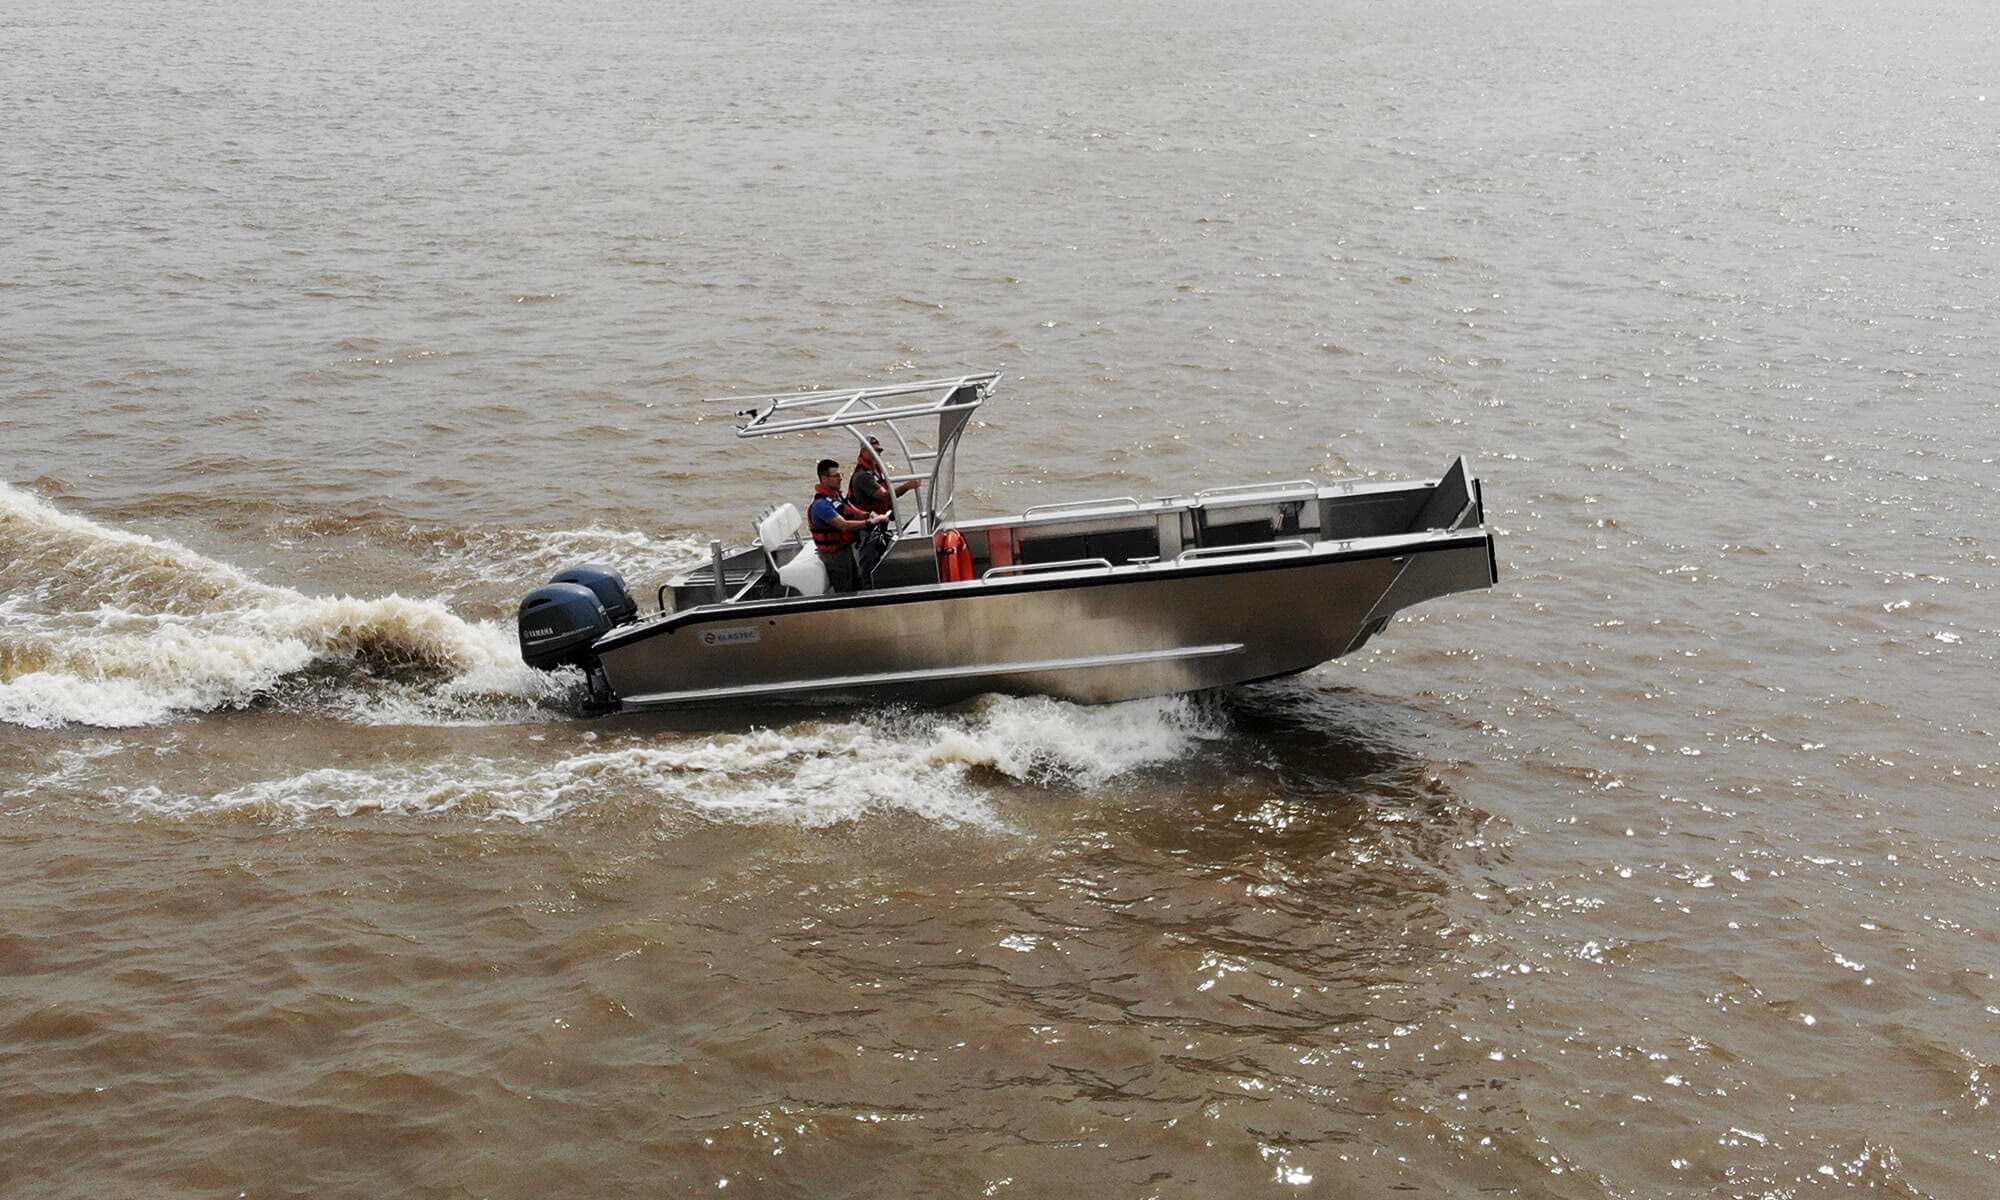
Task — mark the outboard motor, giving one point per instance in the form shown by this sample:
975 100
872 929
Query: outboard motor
560 621
609 587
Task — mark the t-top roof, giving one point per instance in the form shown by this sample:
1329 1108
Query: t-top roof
796 412
931 456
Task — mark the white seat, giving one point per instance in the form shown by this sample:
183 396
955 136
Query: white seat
777 532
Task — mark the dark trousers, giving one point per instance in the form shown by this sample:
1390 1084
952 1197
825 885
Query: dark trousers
841 574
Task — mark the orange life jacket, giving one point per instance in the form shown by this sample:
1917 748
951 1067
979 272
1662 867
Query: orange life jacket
880 503
828 539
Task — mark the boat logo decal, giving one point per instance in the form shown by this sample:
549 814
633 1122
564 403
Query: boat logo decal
727 637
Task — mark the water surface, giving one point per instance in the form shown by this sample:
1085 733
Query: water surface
1666 868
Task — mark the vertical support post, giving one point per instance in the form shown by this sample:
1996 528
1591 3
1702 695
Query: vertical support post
715 557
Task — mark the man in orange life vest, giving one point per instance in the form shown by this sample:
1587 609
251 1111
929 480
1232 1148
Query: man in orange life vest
836 525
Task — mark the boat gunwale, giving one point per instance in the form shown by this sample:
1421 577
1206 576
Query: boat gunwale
1322 554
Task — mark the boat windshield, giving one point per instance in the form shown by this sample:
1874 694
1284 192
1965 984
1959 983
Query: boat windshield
919 425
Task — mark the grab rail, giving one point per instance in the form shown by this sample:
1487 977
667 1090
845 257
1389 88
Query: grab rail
1294 545
700 577
756 577
1068 564
1109 504
1289 485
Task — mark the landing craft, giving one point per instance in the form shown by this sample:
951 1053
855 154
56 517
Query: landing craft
1090 601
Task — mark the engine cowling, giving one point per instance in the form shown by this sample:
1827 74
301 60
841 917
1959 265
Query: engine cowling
609 587
558 622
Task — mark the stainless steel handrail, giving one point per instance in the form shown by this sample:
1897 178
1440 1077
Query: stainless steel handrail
1068 564
1109 504
1291 545
755 577
1289 485
700 577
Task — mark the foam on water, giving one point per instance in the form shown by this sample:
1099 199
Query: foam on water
105 627
1038 740
951 770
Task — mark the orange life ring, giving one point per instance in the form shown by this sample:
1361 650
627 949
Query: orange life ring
954 557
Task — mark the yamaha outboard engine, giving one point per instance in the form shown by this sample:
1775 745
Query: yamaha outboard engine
560 621
608 586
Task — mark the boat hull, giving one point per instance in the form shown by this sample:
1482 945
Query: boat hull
1088 636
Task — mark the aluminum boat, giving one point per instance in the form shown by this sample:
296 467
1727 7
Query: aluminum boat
1091 601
